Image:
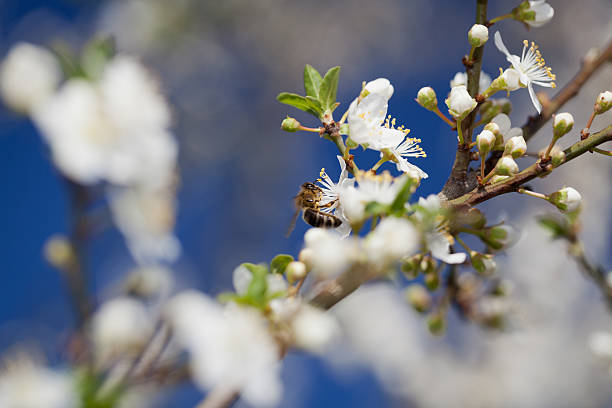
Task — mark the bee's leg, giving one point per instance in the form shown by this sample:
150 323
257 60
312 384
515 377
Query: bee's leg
331 203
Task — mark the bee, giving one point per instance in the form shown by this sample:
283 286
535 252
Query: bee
308 201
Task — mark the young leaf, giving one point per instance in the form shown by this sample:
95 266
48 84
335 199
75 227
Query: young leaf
399 204
312 81
256 291
279 263
314 103
299 102
329 88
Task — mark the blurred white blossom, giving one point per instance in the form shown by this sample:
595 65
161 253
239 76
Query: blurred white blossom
229 347
120 325
329 253
28 76
116 130
26 384
146 219
392 239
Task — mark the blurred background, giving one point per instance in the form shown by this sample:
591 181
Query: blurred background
222 63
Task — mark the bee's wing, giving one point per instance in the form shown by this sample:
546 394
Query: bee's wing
292 224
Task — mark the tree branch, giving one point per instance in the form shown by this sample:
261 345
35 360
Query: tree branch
480 194
458 182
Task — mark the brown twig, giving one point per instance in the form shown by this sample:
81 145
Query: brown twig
459 181
478 195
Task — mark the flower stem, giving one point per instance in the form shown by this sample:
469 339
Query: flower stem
500 18
443 117
471 55
533 194
484 180
308 129
482 167
550 146
602 151
378 164
463 244
460 133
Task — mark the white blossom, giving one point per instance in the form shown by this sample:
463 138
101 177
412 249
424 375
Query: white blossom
115 130
530 66
408 148
543 13
367 117
439 246
382 188
485 141
26 384
505 127
562 124
392 239
146 219
460 78
229 346
28 76
459 102
331 195
600 344
312 329
150 281
330 254
120 325
242 278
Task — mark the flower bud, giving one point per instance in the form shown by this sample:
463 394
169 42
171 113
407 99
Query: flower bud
557 156
484 264
493 128
603 102
567 199
460 103
505 104
290 125
295 271
432 280
478 35
485 141
58 251
428 265
436 324
506 166
426 97
306 256
562 124
499 237
534 13
507 81
418 297
411 266
515 147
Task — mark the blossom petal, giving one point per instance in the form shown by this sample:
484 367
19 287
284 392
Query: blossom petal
534 98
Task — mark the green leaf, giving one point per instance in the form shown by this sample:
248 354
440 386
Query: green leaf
312 81
329 88
398 205
96 54
557 226
314 103
256 291
279 263
375 208
298 101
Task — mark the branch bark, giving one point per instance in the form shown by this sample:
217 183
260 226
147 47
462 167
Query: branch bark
458 182
480 194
